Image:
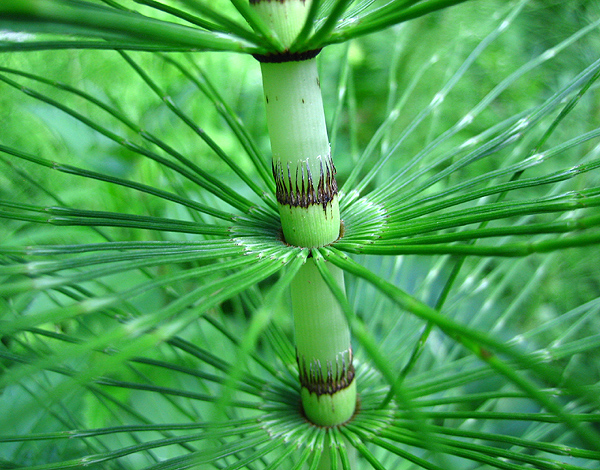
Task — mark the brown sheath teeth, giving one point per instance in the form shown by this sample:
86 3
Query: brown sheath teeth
286 56
328 381
298 189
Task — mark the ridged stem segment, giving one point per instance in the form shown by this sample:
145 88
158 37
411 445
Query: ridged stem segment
302 164
323 348
308 204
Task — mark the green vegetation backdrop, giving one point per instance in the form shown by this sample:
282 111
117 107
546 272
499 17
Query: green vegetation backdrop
145 318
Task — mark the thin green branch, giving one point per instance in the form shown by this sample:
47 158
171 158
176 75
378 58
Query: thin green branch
401 452
243 175
497 458
451 376
309 23
214 455
434 104
244 424
74 217
85 44
480 344
386 18
222 24
210 359
203 82
88 19
288 383
153 326
502 133
593 417
260 320
143 188
137 255
516 182
357 181
357 443
510 250
420 345
258 25
196 175
324 31
359 329
562 203
179 392
210 292
206 180
561 226
552 448
192 19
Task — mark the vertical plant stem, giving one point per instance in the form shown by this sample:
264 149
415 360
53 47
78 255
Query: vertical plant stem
307 195
302 164
323 348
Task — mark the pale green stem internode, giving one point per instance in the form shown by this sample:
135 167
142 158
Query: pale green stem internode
323 349
307 194
302 164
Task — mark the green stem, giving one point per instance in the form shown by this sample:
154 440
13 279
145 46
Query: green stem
307 196
302 164
323 348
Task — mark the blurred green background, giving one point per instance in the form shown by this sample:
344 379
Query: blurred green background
381 71
382 68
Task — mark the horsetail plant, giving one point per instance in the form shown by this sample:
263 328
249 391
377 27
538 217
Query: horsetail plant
171 297
307 194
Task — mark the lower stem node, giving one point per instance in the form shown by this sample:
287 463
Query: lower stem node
324 351
329 409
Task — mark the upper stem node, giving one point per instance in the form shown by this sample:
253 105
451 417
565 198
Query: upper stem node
285 18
